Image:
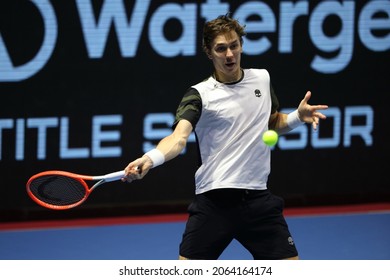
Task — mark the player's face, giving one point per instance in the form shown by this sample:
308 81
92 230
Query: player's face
225 53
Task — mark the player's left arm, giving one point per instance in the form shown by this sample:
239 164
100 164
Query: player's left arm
278 122
306 113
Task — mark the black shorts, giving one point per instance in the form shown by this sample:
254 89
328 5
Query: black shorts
253 218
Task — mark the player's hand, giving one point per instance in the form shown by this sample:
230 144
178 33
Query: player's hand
309 113
137 169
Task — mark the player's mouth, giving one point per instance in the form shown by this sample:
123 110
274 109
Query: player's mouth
230 65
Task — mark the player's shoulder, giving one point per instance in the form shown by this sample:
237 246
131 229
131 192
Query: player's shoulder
257 74
206 84
191 93
256 71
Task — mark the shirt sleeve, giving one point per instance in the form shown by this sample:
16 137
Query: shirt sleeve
275 101
190 108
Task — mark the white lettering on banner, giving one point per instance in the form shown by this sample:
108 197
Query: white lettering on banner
112 12
100 136
341 44
5 124
42 124
65 151
154 132
186 44
369 22
214 8
158 126
364 131
267 24
11 73
337 49
348 128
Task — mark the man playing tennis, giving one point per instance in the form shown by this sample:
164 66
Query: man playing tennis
229 112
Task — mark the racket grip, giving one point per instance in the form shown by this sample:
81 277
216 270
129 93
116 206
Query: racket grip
114 176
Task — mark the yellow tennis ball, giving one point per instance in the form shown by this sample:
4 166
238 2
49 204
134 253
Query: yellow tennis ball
270 137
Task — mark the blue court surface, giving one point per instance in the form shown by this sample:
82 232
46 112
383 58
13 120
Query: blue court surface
356 235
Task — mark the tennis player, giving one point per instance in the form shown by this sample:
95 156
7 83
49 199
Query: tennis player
229 111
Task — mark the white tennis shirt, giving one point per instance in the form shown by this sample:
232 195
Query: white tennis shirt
229 132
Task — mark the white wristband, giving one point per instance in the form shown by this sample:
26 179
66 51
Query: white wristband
156 157
293 120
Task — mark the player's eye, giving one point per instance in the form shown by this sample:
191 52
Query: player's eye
234 46
220 49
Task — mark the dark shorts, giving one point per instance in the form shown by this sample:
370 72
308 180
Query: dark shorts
253 218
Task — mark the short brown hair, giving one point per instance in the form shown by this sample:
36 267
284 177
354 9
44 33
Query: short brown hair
220 25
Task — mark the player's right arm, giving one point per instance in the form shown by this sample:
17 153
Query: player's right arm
167 149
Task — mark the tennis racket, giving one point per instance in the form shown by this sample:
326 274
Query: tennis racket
61 190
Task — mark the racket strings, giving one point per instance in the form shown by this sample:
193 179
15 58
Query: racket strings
58 190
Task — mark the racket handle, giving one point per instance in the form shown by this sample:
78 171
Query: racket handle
114 176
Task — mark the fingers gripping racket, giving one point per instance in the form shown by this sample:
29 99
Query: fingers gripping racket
61 190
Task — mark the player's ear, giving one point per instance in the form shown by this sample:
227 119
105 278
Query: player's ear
209 55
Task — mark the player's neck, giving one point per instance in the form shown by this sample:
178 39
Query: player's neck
229 79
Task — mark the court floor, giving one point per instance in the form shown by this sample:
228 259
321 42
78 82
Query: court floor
328 233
